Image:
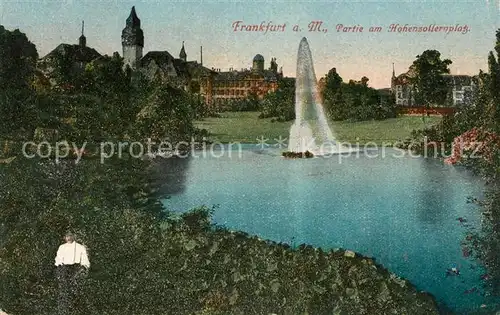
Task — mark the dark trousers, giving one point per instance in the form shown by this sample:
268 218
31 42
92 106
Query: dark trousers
69 287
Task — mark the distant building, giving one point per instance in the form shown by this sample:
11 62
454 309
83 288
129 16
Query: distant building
215 86
461 86
178 72
75 57
212 84
233 84
401 87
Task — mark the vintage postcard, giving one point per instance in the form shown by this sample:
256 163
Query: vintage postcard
249 157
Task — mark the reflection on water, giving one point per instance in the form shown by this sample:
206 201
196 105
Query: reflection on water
171 174
402 211
433 193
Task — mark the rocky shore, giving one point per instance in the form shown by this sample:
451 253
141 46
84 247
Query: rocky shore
235 273
219 272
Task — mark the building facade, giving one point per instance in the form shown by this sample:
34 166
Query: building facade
231 85
401 88
458 88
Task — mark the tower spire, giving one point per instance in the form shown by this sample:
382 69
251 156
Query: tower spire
133 20
132 40
182 54
393 72
82 41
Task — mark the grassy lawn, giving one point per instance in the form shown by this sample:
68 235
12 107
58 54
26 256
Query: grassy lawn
246 127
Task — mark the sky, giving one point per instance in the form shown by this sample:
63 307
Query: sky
166 24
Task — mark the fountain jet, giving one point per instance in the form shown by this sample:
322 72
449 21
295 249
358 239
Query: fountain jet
310 131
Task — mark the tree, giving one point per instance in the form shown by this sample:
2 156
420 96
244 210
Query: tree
494 83
430 87
18 58
251 103
167 113
110 85
333 100
355 100
281 103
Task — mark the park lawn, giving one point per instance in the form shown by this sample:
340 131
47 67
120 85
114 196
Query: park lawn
246 127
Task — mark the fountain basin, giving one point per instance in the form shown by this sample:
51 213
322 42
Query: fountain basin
297 155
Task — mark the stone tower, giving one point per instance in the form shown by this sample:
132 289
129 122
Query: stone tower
258 63
132 40
182 54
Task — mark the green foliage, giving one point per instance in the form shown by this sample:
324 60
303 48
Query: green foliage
18 58
198 219
281 103
113 105
355 101
166 113
18 112
109 85
333 99
112 209
430 87
249 104
65 74
494 83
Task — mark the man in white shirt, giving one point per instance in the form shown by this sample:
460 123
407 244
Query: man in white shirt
71 261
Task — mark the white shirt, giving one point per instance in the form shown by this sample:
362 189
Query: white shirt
72 253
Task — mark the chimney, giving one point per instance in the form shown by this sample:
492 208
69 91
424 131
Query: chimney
201 55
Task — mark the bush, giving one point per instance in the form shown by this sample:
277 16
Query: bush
198 219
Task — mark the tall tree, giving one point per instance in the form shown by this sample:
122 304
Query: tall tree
18 58
430 87
281 103
167 113
494 82
332 96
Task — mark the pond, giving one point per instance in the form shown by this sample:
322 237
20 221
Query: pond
401 210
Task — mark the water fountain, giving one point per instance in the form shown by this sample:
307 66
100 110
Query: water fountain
310 131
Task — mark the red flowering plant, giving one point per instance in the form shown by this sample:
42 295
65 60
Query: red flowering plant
476 146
